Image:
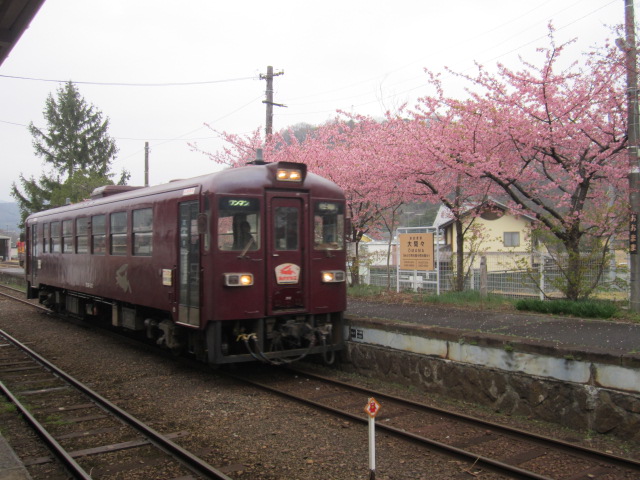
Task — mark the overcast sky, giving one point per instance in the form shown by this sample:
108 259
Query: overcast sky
354 55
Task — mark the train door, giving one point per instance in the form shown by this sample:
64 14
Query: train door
286 243
189 264
31 265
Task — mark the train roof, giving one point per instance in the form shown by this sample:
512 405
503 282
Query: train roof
250 179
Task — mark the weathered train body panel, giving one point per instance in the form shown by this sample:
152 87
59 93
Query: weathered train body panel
239 257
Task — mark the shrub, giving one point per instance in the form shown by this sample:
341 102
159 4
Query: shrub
583 308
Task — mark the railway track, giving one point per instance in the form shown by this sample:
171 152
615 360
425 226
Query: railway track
484 445
85 432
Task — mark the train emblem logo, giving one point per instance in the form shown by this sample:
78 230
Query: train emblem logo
287 273
122 280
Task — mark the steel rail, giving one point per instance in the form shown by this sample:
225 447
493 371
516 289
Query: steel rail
22 300
187 458
528 436
477 460
60 453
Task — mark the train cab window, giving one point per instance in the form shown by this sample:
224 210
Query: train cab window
118 233
45 238
55 238
239 224
82 235
142 231
286 228
328 232
98 235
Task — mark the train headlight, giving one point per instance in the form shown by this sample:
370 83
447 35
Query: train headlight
238 279
289 175
333 276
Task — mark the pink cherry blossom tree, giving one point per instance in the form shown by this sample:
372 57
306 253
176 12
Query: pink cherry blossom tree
553 141
436 151
347 151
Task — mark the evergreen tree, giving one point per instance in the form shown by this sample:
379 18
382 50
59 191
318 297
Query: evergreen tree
77 153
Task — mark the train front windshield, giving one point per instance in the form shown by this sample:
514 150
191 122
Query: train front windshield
239 224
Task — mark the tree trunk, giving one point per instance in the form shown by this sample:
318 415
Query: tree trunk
459 273
573 272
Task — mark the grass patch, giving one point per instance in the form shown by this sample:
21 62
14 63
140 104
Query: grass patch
592 308
7 407
469 298
584 309
364 291
55 419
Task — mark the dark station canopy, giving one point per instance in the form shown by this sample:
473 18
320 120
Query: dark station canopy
15 16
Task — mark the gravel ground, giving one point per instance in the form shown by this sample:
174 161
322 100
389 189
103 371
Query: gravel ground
244 432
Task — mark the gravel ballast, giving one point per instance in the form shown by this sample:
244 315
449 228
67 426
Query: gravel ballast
244 432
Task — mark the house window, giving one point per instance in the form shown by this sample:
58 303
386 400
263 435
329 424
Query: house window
511 239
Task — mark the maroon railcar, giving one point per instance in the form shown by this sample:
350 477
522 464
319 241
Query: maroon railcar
243 264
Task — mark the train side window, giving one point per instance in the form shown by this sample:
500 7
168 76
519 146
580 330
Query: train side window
118 235
239 224
143 232
55 237
67 236
328 231
45 238
98 235
82 235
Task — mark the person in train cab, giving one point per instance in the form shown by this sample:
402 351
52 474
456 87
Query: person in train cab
245 239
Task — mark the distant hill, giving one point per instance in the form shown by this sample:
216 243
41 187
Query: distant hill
9 218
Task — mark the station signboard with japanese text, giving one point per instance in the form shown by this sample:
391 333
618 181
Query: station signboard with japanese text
416 251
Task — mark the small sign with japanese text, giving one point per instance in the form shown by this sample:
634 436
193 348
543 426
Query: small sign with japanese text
416 251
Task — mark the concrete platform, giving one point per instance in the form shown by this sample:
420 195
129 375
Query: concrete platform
575 335
11 467
575 372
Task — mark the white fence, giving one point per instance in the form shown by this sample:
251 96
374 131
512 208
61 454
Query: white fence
515 275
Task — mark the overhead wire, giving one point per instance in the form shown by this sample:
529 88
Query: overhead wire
291 102
124 84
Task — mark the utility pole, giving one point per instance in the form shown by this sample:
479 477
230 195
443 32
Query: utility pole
269 100
146 164
629 47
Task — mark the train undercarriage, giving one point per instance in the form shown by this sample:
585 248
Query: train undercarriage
276 340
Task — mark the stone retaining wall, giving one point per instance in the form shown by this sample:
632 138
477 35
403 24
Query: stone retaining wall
575 405
10 279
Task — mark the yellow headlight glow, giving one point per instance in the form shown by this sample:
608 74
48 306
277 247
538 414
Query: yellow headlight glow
238 279
333 276
289 175
327 277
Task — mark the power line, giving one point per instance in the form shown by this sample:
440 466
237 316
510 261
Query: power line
123 84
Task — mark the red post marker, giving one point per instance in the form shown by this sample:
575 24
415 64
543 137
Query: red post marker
372 408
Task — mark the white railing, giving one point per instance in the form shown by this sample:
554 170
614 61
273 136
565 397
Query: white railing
510 274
